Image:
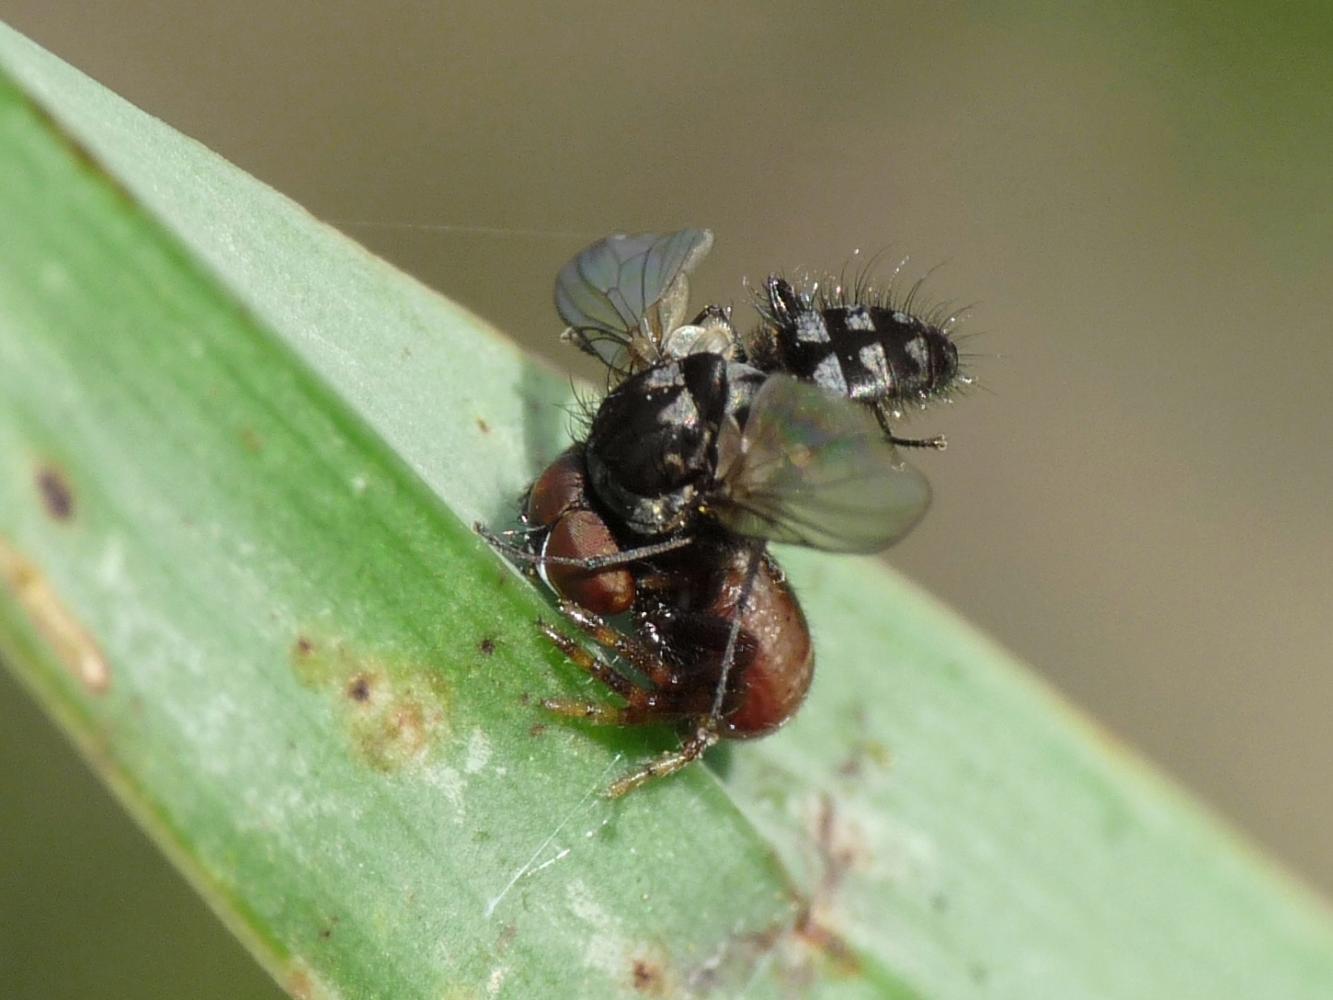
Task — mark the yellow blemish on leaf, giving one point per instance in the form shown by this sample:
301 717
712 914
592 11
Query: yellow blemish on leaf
393 712
53 621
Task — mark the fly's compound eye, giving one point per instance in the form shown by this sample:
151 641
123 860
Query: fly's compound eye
559 489
581 534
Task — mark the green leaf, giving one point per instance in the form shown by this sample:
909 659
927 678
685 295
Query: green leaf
238 458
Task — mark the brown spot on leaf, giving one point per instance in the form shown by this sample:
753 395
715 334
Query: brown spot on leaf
53 620
251 440
828 944
808 946
358 688
300 985
865 752
57 497
801 952
647 977
482 426
487 646
840 848
303 983
393 711
537 729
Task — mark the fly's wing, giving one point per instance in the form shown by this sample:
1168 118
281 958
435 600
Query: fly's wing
623 295
813 468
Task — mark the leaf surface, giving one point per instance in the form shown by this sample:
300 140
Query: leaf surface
238 458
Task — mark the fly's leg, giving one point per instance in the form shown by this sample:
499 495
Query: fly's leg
518 553
669 763
939 442
882 414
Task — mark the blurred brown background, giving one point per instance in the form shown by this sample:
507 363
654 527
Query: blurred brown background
1136 195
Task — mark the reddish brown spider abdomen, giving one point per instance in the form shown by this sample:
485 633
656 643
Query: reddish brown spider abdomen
561 487
780 661
582 534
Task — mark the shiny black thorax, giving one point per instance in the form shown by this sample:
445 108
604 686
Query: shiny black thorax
651 452
869 352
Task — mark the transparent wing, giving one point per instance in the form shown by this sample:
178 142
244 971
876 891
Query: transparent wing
813 468
624 294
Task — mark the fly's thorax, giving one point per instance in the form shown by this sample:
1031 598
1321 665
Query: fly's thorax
652 445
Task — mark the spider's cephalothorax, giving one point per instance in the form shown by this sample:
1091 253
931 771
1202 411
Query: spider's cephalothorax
861 347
